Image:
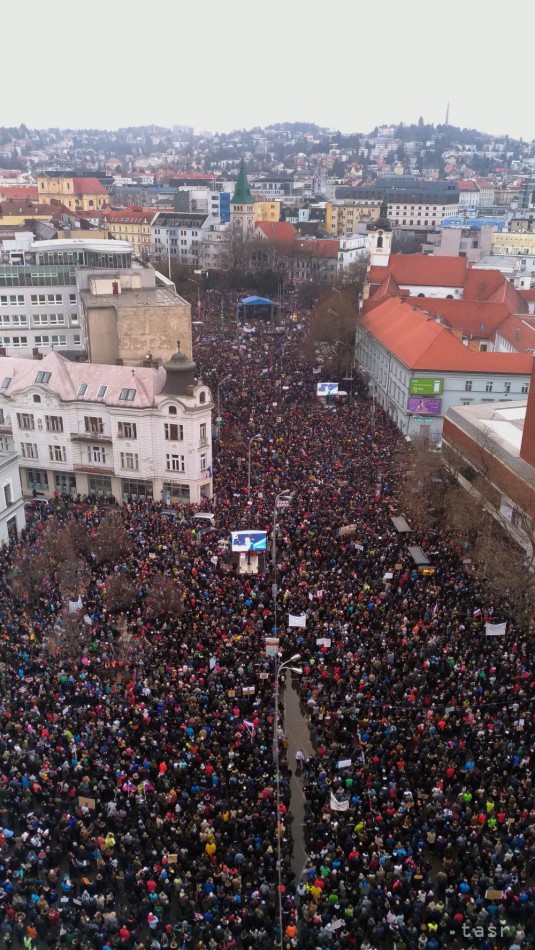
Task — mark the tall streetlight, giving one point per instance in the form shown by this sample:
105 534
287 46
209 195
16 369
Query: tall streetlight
254 438
284 497
279 667
193 281
220 383
221 295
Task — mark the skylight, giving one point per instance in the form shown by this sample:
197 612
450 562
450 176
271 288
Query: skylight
128 394
82 390
42 377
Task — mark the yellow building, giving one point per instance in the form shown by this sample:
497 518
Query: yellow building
132 225
341 217
84 194
521 244
267 211
16 213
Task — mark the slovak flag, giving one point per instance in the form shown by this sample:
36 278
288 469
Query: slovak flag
250 726
477 613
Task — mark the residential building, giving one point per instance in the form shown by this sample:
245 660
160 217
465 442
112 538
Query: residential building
413 203
132 225
352 249
461 238
131 433
178 235
267 211
12 518
487 189
72 191
420 275
342 217
419 368
468 196
521 244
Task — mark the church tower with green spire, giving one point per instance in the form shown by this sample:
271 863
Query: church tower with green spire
242 206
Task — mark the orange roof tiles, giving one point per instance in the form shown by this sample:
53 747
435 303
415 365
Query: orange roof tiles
319 248
474 317
421 343
88 186
420 270
467 185
519 333
277 231
15 192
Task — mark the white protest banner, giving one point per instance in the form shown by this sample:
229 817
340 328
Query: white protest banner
297 620
75 605
495 629
344 764
323 641
338 806
212 662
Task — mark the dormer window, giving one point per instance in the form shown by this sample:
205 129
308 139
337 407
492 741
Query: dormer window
42 377
128 395
202 397
173 411
36 397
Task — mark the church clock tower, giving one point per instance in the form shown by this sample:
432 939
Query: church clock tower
242 207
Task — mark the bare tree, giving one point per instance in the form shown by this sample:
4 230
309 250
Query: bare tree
163 597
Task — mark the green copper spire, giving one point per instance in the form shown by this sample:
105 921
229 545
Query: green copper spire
242 193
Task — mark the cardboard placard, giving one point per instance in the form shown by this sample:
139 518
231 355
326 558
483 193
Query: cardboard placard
87 802
491 894
172 858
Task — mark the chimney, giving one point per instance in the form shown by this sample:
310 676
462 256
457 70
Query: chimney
3 351
36 355
527 447
119 362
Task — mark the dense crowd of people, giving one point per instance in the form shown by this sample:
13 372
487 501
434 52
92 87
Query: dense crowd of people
137 786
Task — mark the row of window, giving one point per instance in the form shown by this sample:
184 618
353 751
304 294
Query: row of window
95 424
55 339
489 387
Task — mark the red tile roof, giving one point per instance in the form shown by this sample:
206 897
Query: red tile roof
15 192
467 185
420 270
129 216
279 232
527 294
88 186
422 344
492 285
475 318
319 248
519 333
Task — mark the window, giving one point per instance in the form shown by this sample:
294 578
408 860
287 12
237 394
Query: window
96 453
72 298
99 485
38 300
57 453
36 397
468 386
101 392
54 423
42 377
55 299
202 433
175 463
29 450
203 463
19 341
5 382
524 389
174 490
128 395
130 461
65 482
36 479
25 420
127 430
488 386
4 443
82 389
174 432
173 411
202 397
93 424
507 387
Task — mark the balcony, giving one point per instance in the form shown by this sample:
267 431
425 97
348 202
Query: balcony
90 437
94 468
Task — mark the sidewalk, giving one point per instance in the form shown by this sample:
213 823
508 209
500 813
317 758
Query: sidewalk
298 735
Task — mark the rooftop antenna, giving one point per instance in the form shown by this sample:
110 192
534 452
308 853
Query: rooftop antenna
447 122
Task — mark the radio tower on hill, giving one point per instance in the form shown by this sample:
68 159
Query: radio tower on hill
447 122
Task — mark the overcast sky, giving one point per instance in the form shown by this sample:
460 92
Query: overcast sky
346 64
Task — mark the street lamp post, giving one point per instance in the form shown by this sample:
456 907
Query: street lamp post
213 291
193 281
254 438
279 668
220 383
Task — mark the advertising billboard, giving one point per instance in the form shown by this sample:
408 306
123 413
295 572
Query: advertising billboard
243 541
426 387
327 389
425 405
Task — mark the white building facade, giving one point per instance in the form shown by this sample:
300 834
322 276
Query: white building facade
102 430
12 519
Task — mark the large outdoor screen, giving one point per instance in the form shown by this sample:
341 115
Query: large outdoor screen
248 541
327 389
